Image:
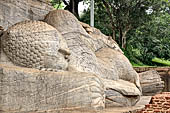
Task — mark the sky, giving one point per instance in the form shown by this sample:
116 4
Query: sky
82 7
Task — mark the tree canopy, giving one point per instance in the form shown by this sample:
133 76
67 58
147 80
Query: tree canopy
71 5
140 27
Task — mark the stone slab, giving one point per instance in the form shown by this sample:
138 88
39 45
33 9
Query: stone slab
24 90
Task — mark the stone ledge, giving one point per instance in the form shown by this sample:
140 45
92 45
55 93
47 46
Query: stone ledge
24 90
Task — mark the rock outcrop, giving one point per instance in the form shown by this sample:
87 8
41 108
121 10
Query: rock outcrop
151 83
94 53
95 71
14 11
35 44
25 90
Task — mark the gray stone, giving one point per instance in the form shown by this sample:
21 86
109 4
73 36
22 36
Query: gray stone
117 62
24 90
95 53
121 93
82 57
99 40
96 67
82 45
14 11
35 44
151 83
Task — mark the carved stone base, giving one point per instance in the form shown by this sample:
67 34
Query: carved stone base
24 90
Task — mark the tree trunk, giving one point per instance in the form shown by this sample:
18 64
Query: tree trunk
72 7
123 44
124 39
111 18
120 36
114 34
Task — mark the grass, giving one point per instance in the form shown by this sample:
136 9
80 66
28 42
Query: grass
161 61
140 65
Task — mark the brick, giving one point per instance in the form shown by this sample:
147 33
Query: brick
166 103
169 73
166 93
157 111
168 98
161 69
168 111
155 100
160 103
148 105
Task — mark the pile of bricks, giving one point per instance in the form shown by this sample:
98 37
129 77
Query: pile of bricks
159 103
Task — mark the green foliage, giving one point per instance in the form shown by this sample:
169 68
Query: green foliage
149 35
117 17
130 14
145 24
57 4
101 20
152 39
133 54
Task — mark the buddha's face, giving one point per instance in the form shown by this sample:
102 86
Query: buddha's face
53 58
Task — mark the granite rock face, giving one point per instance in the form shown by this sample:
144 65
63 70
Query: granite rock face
14 11
82 57
26 90
35 44
121 93
95 72
95 53
151 83
82 45
116 61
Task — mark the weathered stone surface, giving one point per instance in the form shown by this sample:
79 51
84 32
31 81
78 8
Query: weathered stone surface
164 73
35 44
90 51
25 90
82 45
99 40
117 62
151 82
121 93
82 57
14 11
94 53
